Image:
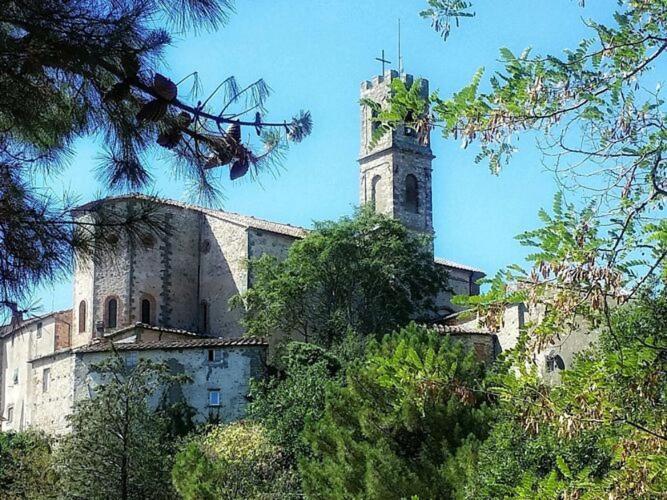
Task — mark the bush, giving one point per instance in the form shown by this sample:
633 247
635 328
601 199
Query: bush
391 430
26 466
285 401
232 461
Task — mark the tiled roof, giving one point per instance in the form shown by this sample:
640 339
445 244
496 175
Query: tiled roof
243 220
456 265
458 329
154 328
174 344
8 328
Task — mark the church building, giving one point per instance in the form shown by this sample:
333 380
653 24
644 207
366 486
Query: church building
166 298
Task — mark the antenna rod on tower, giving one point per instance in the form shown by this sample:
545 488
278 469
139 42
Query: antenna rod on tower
400 57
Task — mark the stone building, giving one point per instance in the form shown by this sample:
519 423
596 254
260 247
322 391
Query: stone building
165 297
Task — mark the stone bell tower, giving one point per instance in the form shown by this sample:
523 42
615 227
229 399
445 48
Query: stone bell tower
396 172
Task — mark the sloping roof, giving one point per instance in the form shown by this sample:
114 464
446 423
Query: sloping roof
174 344
161 329
242 220
9 328
458 330
456 265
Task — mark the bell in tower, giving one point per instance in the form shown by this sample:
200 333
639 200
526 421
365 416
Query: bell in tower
396 170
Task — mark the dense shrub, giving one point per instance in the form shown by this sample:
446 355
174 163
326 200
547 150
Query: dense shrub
26 466
235 461
600 433
284 402
391 430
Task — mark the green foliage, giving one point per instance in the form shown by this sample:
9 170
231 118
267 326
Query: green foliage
236 461
442 12
26 466
285 402
599 433
117 436
402 413
368 273
599 120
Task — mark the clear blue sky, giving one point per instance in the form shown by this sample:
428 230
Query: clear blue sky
314 54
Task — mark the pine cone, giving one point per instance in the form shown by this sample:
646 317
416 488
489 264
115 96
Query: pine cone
164 87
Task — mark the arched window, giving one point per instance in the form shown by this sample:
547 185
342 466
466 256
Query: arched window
112 312
411 193
554 362
82 316
374 188
146 311
203 317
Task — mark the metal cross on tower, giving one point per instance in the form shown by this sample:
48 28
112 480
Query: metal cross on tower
383 61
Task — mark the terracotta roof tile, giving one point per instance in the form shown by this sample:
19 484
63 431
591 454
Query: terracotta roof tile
155 328
458 330
174 344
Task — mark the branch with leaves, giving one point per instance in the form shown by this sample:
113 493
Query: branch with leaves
92 68
601 130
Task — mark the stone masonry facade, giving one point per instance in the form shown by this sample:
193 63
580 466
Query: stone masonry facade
165 296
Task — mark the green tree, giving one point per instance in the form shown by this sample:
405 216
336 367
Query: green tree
601 122
392 428
601 433
235 461
26 466
368 274
88 67
294 394
119 446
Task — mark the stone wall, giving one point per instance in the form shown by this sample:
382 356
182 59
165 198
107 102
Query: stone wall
231 375
16 377
176 276
111 279
50 407
262 242
386 165
565 345
223 274
63 330
83 291
162 268
460 282
484 346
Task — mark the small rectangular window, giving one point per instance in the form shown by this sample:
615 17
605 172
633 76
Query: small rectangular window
214 397
46 379
131 359
39 330
10 414
214 355
16 376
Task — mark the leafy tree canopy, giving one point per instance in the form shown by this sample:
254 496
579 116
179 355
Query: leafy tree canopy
404 410
368 274
119 445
